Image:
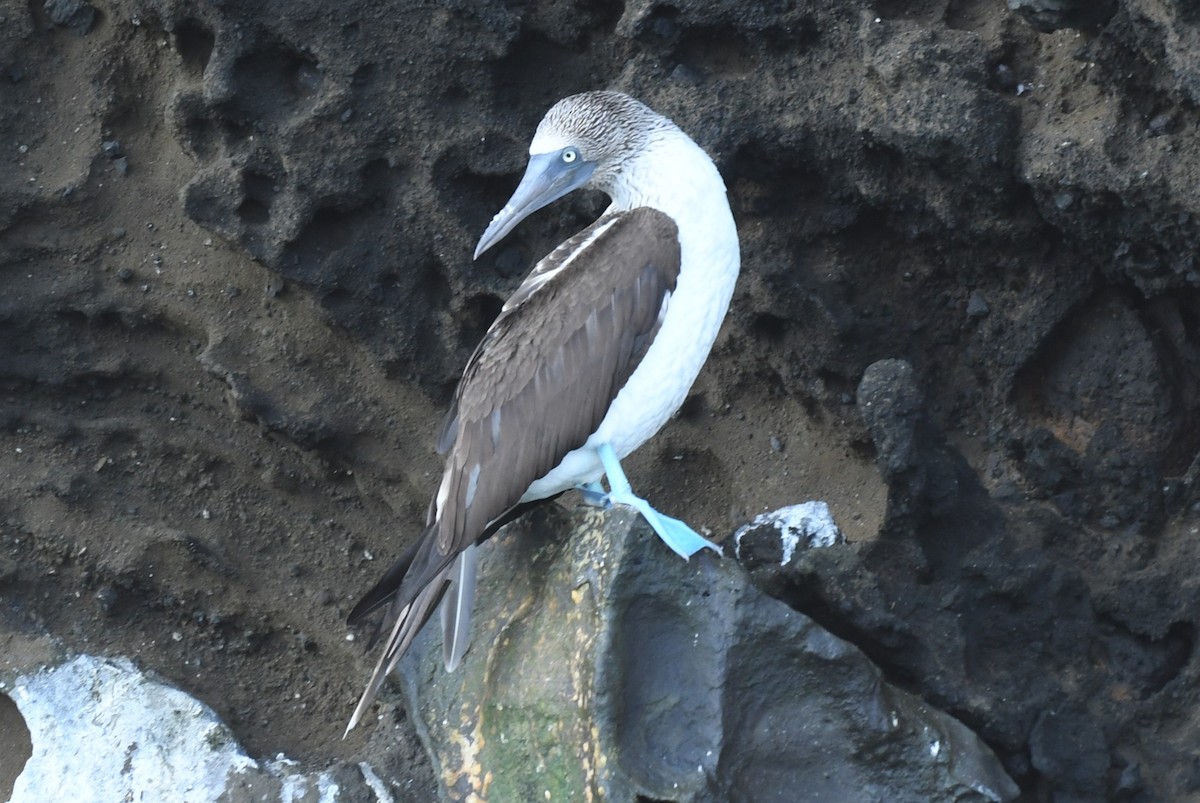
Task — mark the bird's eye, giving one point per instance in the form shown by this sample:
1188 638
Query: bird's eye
570 155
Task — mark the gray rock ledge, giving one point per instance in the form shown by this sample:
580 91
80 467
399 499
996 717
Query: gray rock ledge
603 667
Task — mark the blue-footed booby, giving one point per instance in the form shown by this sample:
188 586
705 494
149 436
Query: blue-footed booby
587 360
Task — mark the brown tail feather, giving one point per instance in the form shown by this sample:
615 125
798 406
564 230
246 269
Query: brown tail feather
388 585
408 622
412 601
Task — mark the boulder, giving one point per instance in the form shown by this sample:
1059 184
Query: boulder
602 667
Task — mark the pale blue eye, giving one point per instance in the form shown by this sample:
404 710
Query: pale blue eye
570 155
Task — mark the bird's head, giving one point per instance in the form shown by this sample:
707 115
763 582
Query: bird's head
583 141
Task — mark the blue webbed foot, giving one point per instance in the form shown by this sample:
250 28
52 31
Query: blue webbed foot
682 539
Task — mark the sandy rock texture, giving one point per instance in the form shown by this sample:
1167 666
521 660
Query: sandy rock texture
234 252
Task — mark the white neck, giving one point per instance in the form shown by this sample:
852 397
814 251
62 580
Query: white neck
674 175
667 174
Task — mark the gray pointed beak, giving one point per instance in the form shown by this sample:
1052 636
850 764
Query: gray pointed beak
547 178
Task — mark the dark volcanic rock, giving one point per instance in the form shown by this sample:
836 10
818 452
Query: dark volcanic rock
74 15
633 675
928 481
959 574
1050 15
1069 746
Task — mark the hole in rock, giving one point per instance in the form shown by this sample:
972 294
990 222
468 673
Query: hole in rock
199 134
545 70
769 327
329 230
478 312
260 190
692 408
272 81
16 746
714 51
661 23
363 75
252 211
194 43
259 187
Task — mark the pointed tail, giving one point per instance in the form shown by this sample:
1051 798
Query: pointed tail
456 611
409 620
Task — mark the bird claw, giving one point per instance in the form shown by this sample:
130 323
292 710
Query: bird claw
594 494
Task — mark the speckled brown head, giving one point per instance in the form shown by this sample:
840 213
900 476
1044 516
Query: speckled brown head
585 140
607 128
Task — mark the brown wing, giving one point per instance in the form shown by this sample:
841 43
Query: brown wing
537 386
550 365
